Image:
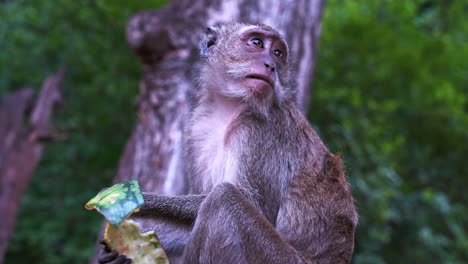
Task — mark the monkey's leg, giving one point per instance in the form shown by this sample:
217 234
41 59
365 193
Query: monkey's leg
230 229
171 217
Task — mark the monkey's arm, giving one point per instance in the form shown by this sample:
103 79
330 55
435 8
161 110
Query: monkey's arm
182 208
170 217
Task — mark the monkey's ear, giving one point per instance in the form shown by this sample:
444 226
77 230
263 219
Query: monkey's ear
209 40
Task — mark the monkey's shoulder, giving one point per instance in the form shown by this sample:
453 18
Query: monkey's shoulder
316 164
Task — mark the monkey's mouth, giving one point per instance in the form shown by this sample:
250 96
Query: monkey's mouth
262 78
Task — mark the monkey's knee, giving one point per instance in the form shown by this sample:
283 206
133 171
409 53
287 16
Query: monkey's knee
218 203
224 189
224 194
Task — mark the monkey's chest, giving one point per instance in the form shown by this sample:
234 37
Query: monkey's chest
215 160
220 166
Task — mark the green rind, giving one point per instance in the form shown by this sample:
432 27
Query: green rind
141 248
117 202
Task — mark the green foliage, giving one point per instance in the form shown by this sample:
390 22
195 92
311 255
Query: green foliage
390 94
88 36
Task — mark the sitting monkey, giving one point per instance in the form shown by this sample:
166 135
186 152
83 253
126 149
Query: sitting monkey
265 189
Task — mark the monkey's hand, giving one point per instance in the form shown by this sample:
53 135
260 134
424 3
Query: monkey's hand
110 257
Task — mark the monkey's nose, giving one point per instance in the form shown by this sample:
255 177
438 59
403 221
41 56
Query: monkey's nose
271 67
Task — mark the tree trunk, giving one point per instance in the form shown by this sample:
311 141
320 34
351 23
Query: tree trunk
21 146
166 42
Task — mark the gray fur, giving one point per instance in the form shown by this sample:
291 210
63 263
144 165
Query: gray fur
265 188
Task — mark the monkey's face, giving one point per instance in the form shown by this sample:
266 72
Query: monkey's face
247 62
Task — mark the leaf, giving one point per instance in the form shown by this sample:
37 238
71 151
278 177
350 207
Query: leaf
117 202
141 248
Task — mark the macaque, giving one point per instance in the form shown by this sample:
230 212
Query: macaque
264 187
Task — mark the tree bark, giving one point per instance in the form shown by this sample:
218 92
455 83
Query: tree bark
21 146
166 42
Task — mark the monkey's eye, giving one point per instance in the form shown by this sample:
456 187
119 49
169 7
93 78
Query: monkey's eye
257 42
278 53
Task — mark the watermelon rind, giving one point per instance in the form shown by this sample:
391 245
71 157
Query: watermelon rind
118 202
142 248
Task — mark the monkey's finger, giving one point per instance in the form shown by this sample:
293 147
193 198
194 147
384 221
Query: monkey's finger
106 257
104 247
128 261
121 260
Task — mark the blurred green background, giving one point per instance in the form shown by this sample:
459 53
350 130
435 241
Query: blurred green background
390 94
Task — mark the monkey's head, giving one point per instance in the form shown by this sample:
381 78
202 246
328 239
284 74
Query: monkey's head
246 62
